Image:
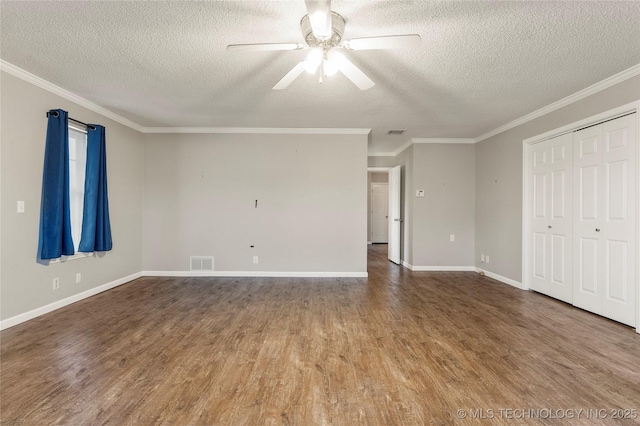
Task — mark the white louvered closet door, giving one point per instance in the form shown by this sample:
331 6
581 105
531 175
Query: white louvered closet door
604 219
551 187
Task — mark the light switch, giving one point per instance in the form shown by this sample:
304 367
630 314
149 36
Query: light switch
20 206
419 193
452 237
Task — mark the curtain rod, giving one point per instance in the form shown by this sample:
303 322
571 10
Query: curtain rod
55 114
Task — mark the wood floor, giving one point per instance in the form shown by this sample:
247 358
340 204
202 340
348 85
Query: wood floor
400 347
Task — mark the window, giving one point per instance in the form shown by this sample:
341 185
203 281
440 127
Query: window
77 168
73 222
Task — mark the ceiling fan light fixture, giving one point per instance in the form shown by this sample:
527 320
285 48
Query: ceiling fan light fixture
336 29
322 30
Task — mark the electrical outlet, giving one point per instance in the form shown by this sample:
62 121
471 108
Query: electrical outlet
56 283
255 259
486 258
482 258
78 277
452 237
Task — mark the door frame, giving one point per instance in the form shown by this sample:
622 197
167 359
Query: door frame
527 145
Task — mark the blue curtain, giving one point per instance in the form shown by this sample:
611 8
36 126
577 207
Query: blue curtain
96 227
55 219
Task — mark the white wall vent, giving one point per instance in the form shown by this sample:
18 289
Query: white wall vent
201 263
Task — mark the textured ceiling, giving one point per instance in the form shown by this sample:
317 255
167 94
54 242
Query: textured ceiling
480 64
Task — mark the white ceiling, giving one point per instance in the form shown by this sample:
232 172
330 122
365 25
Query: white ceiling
480 64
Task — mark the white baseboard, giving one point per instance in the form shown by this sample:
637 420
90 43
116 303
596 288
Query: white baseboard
10 322
439 268
369 242
443 268
465 269
265 274
502 279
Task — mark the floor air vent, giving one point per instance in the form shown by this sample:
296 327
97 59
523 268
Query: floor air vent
201 263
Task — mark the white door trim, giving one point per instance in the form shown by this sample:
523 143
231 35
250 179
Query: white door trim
526 150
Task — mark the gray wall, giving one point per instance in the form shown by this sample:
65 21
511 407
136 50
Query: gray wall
200 193
446 172
381 161
498 220
25 284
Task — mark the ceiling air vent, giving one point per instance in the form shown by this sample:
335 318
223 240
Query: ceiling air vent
201 263
396 131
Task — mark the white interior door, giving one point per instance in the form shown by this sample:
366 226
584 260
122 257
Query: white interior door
618 225
379 212
539 190
550 186
395 221
605 223
561 218
587 149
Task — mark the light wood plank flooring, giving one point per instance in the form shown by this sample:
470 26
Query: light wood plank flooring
400 347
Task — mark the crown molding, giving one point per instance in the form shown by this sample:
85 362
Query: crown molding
443 140
63 93
257 130
604 116
591 90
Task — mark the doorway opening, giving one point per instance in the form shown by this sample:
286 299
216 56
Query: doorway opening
383 215
379 208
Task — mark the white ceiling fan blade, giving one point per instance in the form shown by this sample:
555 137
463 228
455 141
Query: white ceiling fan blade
319 12
265 46
289 77
352 72
383 42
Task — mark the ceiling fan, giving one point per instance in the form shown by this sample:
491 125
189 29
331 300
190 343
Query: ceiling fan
322 30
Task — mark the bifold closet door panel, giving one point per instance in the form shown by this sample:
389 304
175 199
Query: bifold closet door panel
605 181
587 173
550 189
618 222
539 189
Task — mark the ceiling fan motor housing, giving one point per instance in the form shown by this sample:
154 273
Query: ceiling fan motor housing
337 29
